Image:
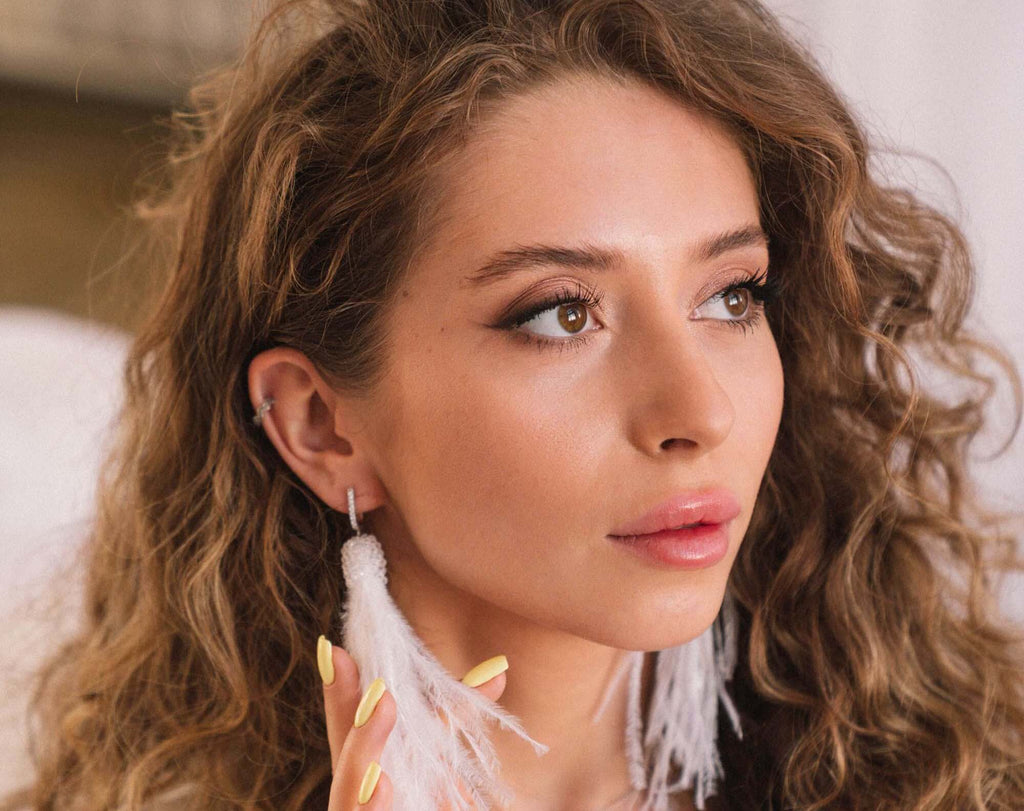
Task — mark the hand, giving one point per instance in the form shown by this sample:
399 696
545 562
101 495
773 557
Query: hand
353 748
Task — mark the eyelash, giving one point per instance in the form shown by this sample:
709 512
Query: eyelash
762 291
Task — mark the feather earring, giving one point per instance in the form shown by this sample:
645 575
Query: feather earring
682 723
424 756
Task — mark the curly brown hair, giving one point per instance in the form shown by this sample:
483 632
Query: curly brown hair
875 671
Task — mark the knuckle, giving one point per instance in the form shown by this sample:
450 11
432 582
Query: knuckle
364 743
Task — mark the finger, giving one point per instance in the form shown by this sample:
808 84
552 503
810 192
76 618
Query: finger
362 748
353 749
340 676
381 797
488 677
485 671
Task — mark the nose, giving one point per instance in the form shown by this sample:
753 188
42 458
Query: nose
676 397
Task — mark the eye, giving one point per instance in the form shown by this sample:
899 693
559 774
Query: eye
566 313
742 300
560 320
562 313
736 304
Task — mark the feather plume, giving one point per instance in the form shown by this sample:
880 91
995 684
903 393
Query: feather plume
682 724
425 756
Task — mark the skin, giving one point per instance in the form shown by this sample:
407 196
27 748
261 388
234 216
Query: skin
492 471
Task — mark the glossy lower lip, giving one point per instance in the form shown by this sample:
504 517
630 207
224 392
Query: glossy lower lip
695 548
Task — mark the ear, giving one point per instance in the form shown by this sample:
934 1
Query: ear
308 424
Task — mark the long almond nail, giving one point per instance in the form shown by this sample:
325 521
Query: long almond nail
368 703
324 661
485 671
370 778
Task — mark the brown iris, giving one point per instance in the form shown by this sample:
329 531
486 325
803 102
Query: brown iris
734 298
572 317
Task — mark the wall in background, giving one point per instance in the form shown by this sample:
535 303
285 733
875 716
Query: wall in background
81 84
139 50
67 171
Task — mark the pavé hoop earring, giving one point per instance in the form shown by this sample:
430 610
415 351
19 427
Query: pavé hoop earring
423 757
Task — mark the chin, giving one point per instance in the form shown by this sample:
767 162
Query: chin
655 630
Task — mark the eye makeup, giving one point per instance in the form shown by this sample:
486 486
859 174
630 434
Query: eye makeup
760 291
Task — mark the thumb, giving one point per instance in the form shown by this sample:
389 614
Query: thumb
488 677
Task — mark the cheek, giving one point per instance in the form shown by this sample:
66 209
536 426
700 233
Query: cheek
468 468
495 479
757 391
757 396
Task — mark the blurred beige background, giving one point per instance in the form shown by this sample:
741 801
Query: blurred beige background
66 175
82 83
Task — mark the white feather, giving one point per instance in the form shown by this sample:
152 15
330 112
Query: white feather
682 723
634 723
424 756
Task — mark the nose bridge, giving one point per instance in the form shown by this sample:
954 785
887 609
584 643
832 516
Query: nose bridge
677 393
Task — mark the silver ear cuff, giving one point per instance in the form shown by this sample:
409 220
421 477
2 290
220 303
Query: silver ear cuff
257 420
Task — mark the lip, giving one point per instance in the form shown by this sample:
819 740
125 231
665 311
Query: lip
710 506
695 548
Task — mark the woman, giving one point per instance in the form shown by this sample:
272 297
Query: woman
508 284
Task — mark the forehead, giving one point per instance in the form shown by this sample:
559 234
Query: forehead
591 159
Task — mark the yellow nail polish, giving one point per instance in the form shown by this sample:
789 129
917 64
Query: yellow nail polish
368 703
324 661
370 778
485 671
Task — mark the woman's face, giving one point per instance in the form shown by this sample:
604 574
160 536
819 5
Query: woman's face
508 454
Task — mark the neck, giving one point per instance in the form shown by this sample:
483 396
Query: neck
555 685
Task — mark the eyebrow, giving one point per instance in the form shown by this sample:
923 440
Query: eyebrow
592 257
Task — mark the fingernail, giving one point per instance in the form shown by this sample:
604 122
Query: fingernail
485 671
368 702
370 778
324 661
